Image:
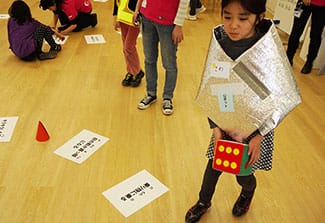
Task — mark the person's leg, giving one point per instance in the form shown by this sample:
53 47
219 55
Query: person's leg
317 26
85 20
242 204
168 53
209 183
43 32
129 39
296 32
208 186
193 6
150 41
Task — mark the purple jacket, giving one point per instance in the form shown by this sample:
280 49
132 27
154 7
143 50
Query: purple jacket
21 37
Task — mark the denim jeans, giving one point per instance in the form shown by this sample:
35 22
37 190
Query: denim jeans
154 34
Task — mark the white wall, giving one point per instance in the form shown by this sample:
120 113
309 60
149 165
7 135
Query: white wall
270 5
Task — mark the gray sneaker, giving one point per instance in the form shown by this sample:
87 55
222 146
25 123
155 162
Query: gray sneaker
167 107
147 101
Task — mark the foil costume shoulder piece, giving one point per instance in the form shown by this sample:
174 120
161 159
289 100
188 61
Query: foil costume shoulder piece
255 91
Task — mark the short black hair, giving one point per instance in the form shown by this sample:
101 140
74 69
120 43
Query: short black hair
45 4
253 6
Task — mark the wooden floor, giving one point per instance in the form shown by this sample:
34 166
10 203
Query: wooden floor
81 89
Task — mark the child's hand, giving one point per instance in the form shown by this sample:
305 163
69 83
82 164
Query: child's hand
254 149
60 35
217 134
116 24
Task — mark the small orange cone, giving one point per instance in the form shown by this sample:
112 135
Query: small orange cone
41 134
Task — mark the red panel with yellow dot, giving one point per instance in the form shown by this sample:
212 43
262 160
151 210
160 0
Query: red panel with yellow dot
231 157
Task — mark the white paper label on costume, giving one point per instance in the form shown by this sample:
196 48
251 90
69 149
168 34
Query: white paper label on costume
135 192
221 69
7 126
82 146
226 101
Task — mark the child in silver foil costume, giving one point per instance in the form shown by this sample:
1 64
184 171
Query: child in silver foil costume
246 41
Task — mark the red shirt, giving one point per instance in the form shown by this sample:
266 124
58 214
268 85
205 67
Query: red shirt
160 11
72 7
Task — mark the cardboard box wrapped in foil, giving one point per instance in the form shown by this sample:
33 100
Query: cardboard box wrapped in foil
256 91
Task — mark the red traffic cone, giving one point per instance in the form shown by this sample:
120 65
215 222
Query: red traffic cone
41 134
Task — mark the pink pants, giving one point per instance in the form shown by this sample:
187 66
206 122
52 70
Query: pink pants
129 39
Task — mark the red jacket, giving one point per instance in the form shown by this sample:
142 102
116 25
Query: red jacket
72 7
160 11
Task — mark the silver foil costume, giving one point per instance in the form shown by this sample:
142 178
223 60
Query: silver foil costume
256 91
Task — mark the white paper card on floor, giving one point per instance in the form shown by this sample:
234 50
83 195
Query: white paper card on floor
82 146
95 39
135 192
7 127
4 16
60 41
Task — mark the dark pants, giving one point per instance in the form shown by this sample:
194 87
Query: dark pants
317 25
210 180
194 4
42 32
83 20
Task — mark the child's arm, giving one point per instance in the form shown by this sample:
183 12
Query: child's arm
137 10
60 35
254 148
217 133
69 29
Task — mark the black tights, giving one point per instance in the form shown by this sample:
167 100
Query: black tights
210 180
42 32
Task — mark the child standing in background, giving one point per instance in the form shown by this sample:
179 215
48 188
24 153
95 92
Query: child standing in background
26 34
243 26
162 22
129 34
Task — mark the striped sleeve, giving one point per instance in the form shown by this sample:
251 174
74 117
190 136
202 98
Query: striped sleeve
181 12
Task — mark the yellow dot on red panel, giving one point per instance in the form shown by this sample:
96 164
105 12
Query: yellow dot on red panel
233 165
221 148
228 150
218 161
236 151
226 163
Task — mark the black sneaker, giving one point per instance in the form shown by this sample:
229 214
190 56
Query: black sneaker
93 20
136 79
46 56
127 80
307 68
242 205
196 212
167 107
57 48
147 101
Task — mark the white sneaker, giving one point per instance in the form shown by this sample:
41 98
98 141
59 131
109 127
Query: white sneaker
191 17
200 10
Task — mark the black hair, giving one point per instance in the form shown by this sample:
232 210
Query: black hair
45 4
256 7
20 11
